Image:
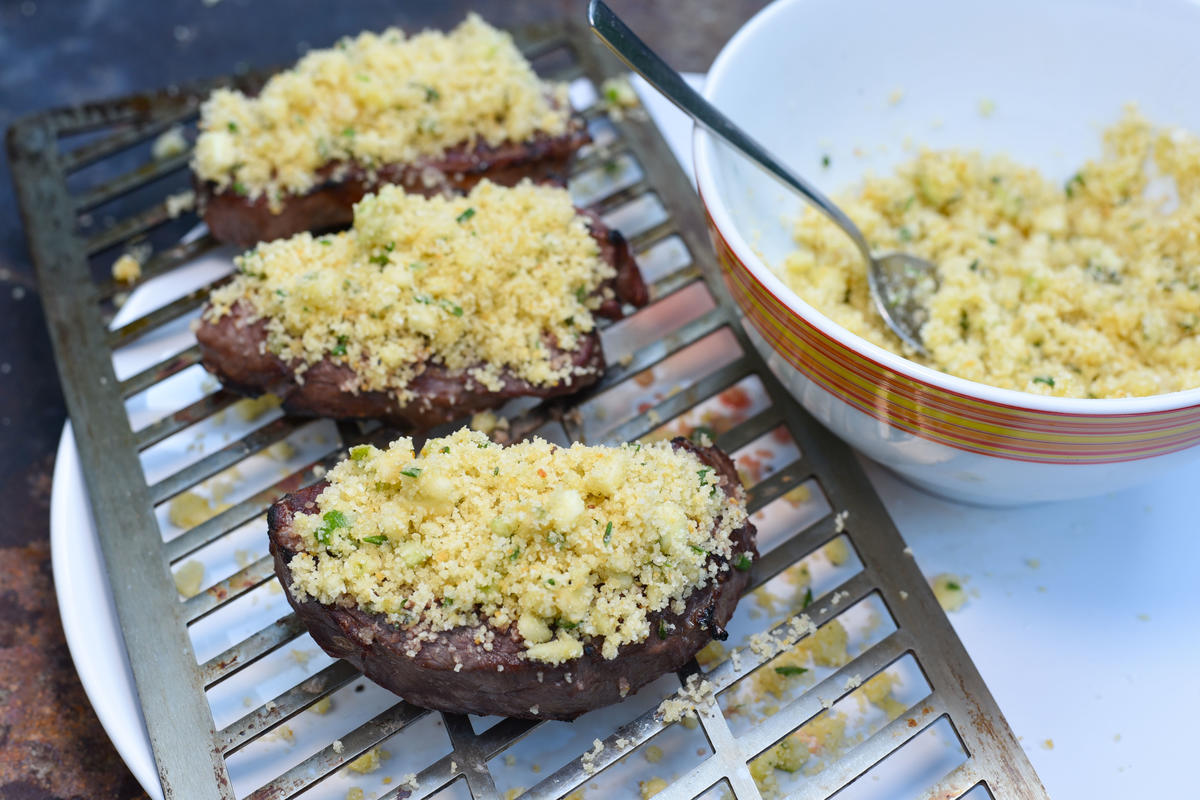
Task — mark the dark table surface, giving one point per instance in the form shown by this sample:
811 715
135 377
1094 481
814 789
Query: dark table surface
69 51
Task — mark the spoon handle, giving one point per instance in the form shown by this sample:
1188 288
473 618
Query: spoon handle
634 52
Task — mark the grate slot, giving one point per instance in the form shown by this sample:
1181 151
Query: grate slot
217 526
137 224
890 738
122 184
318 766
171 424
285 706
160 316
226 457
160 264
73 160
231 588
164 369
676 404
154 620
250 649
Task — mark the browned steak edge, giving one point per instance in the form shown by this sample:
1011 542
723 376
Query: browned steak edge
429 679
234 349
329 204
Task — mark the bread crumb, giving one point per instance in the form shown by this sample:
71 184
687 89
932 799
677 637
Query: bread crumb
839 521
895 97
369 761
322 706
651 787
1048 744
837 551
189 578
987 107
948 589
354 793
1033 563
126 269
283 450
169 143
510 760
514 793
251 408
338 747
180 202
588 761
654 754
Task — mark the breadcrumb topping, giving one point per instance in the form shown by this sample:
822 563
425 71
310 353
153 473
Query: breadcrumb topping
486 282
371 100
567 544
1086 289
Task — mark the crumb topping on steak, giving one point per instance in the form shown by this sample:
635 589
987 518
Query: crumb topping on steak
566 545
502 282
373 100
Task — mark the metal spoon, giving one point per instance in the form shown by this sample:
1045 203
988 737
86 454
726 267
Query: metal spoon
900 284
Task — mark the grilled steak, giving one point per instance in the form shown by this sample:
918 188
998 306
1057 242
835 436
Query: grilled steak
239 220
234 349
524 688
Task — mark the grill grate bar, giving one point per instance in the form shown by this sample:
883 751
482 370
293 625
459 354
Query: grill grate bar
160 264
122 140
887 740
643 240
470 755
780 483
673 283
285 706
620 197
824 694
321 764
185 417
224 458
676 404
738 437
233 587
160 316
252 648
122 184
790 551
164 369
958 781
123 231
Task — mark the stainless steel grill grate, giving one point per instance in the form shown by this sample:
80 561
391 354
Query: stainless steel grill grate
637 172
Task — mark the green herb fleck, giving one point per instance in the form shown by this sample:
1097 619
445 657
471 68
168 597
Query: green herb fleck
514 554
700 432
233 128
1046 380
326 242
703 473
952 586
378 539
240 189
495 470
412 472
466 215
825 161
974 266
281 292
790 671
567 624
1077 178
912 198
360 451
348 132
381 259
447 601
991 240
663 631
551 581
453 308
608 533
333 520
699 550
808 598
581 294
742 562
340 349
905 235
431 94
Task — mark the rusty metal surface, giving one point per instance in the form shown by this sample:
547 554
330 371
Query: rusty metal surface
191 752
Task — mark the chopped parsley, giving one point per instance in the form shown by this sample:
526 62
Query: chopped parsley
905 234
790 671
663 630
952 586
431 94
581 294
453 308
340 349
379 539
551 581
608 533
381 259
333 521
974 267
825 161
466 215
348 132
445 450
326 242
233 128
495 470
699 550
703 473
808 598
700 431
240 189
412 472
514 554
743 562
1076 179
1049 381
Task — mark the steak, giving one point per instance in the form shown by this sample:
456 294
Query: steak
525 688
233 348
239 220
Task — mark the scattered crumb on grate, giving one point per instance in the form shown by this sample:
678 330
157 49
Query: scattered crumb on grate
651 787
369 761
948 589
189 578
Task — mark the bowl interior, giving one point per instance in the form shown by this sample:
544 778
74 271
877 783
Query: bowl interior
864 83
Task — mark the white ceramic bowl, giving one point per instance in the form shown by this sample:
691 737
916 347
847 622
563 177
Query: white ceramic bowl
811 78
